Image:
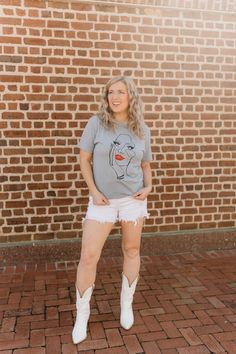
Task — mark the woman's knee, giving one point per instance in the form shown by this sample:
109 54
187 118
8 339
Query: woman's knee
89 257
131 251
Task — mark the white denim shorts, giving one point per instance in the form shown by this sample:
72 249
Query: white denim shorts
122 209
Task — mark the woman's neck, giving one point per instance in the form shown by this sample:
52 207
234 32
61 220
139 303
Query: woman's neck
121 117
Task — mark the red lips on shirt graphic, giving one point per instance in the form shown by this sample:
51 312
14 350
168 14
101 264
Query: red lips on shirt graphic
119 157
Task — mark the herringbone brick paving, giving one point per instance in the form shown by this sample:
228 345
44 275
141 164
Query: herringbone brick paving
184 304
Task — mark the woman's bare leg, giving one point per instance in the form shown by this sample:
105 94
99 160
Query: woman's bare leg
131 240
94 236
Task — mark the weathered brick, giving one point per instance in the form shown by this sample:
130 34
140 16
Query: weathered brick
151 347
113 337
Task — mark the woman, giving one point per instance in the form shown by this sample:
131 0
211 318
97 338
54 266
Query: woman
115 159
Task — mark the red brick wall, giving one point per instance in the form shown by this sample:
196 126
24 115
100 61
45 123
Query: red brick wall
55 57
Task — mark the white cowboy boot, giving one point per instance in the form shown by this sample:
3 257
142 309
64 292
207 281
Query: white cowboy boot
83 312
126 300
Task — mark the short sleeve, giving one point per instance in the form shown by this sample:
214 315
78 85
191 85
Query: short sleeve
147 155
87 139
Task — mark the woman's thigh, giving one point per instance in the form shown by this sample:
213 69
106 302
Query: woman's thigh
94 236
131 233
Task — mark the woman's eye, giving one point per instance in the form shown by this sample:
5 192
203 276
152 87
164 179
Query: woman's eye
130 147
116 143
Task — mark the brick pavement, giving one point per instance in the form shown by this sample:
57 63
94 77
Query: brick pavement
184 304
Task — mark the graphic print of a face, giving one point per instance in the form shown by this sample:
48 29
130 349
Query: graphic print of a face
120 155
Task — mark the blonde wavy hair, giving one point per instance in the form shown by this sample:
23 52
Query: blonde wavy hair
135 109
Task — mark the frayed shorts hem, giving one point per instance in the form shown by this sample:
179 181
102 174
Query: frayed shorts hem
135 221
127 209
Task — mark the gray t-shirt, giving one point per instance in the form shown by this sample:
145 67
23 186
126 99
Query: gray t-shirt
117 157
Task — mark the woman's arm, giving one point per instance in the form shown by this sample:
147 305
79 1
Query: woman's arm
147 181
87 173
147 175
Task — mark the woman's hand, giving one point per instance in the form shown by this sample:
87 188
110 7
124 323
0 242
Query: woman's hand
99 199
142 193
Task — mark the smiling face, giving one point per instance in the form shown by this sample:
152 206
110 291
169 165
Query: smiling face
118 100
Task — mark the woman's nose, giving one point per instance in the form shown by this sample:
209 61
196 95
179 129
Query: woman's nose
115 94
